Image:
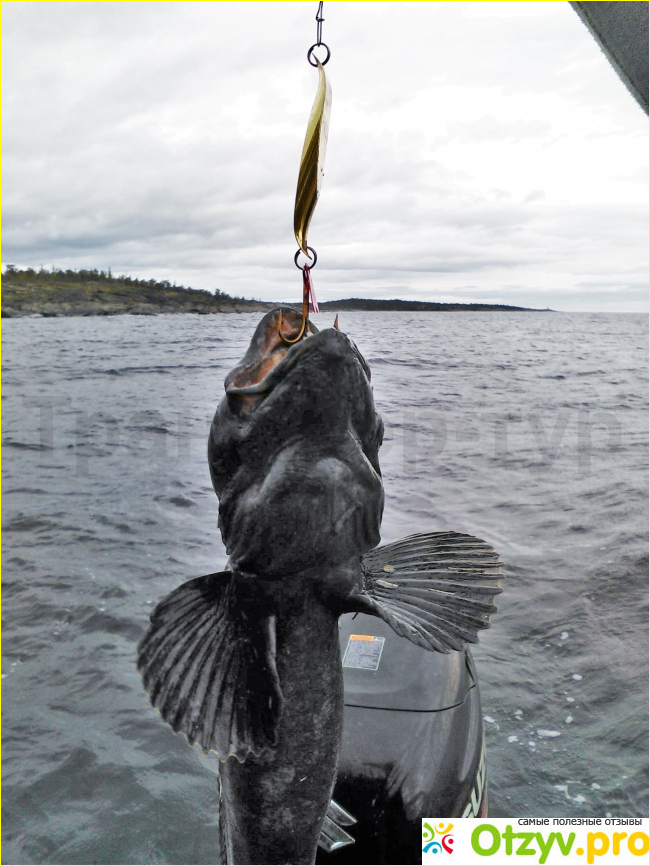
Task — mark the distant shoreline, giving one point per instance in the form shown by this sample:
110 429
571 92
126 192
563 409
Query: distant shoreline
396 305
97 293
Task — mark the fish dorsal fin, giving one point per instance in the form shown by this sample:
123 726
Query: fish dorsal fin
436 589
210 670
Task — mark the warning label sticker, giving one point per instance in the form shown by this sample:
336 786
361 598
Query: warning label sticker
363 652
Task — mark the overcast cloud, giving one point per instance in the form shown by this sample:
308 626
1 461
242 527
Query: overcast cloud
479 151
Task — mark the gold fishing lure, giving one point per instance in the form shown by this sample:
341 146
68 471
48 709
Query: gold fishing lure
310 176
312 160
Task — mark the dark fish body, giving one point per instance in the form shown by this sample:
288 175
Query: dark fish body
293 458
246 662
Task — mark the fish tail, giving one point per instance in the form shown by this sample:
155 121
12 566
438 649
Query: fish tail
203 658
436 589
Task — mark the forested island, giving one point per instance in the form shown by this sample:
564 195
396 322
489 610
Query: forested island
98 293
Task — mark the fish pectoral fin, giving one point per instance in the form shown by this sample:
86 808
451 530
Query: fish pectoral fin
211 671
436 589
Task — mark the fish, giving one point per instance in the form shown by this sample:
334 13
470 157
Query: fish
246 661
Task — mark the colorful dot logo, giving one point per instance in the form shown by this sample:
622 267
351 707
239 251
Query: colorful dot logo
438 839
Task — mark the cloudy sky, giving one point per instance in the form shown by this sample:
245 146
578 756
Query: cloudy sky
478 151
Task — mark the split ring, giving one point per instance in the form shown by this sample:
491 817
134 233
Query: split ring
300 267
311 51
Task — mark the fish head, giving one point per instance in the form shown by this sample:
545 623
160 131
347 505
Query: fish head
293 452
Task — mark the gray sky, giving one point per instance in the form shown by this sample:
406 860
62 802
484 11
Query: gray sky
479 151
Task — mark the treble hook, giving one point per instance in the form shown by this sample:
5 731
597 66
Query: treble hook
305 309
307 294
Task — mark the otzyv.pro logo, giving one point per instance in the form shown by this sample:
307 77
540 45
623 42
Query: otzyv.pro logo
438 839
547 841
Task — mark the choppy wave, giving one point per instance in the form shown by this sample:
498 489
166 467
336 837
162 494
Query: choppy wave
528 430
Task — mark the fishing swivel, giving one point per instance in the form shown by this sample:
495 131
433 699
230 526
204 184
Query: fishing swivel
319 40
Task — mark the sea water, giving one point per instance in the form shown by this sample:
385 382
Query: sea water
526 429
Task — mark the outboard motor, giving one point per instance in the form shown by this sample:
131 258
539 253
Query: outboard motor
412 748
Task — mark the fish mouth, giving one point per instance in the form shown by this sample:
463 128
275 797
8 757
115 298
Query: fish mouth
269 358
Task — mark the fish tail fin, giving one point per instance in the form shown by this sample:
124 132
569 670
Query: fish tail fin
203 658
436 589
